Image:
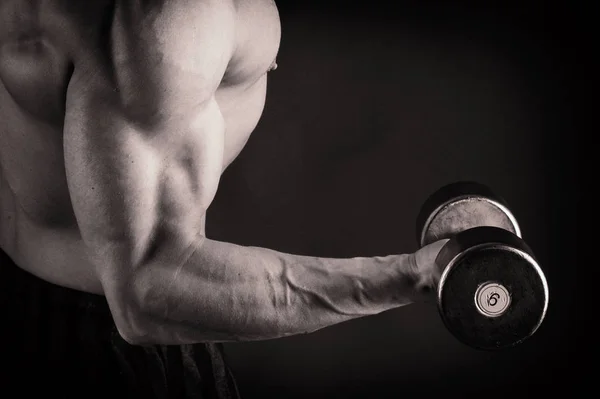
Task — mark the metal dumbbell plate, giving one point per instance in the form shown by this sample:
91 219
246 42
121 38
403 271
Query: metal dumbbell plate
492 293
460 206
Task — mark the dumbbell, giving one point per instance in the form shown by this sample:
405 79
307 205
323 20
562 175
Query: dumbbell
492 293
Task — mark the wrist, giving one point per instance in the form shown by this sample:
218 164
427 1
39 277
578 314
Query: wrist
411 283
427 272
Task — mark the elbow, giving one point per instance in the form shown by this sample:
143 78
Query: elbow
133 325
132 335
132 314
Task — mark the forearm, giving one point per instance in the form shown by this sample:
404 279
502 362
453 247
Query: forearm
227 292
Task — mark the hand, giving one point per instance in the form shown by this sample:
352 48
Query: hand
428 271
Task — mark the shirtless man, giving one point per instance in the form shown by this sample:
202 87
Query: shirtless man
117 119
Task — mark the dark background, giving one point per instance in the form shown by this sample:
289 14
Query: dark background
373 108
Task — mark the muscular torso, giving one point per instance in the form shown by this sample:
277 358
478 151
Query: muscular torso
38 228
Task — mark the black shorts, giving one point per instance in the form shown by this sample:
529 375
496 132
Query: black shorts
61 342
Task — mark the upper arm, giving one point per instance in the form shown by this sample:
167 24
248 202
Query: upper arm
143 136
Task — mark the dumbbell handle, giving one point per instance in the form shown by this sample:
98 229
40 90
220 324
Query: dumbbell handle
477 236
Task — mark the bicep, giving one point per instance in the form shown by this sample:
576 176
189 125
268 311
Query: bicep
143 132
138 194
113 177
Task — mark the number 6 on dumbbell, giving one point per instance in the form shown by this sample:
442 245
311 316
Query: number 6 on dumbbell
492 293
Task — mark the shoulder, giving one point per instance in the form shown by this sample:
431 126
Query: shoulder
184 34
158 56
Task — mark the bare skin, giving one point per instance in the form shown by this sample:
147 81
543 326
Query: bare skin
118 120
